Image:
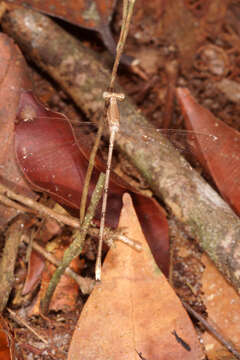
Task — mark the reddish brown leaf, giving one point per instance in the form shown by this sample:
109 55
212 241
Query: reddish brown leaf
133 308
52 160
88 14
13 79
93 15
219 155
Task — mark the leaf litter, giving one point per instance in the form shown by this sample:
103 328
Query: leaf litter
198 87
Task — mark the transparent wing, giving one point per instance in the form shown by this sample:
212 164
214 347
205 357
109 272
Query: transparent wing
184 140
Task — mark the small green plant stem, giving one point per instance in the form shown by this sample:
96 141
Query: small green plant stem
76 246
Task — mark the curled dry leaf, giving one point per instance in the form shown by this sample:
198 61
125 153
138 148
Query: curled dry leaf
133 308
221 160
52 160
13 79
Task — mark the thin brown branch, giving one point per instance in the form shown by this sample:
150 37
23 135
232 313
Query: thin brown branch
128 6
22 209
40 208
21 322
43 211
212 330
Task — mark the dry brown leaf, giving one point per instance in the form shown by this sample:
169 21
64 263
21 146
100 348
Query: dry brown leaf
133 308
223 308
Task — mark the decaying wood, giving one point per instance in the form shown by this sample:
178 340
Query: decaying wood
204 214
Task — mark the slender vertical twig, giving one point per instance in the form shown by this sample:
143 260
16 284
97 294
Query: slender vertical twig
113 120
128 6
127 14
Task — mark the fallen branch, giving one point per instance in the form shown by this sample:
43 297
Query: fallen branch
43 210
